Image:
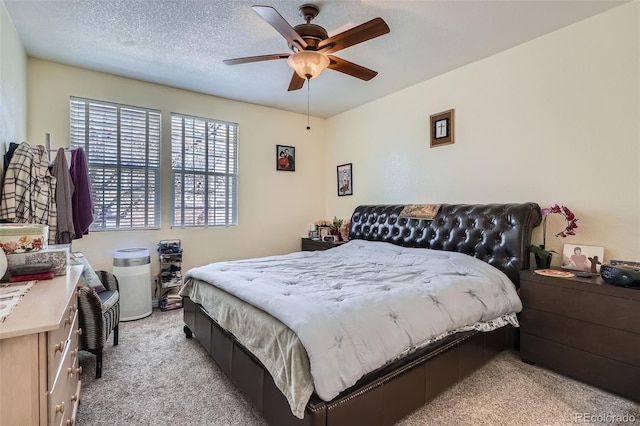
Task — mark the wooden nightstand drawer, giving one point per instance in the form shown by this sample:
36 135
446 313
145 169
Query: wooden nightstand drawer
314 245
615 376
594 338
612 311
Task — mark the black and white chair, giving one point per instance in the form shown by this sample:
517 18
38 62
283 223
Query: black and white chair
99 315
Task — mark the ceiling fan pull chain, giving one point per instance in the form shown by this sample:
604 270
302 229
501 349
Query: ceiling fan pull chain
308 89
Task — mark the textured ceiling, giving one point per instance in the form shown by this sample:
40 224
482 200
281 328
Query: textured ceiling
182 43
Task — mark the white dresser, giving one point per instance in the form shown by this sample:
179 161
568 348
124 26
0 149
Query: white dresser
39 371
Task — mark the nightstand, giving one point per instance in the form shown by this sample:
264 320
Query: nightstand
314 245
583 328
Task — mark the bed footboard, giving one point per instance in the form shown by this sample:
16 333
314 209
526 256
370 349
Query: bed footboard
381 398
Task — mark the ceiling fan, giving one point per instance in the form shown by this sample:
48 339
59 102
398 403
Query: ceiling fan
312 47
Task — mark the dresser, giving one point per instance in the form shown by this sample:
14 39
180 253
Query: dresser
39 371
583 328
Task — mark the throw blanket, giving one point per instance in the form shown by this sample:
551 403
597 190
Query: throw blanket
420 211
276 346
361 305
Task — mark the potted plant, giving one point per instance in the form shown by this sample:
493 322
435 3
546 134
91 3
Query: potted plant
541 254
335 227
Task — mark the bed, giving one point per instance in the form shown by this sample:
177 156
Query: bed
283 328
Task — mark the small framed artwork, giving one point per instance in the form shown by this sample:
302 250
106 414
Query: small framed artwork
286 158
442 127
345 179
581 257
323 231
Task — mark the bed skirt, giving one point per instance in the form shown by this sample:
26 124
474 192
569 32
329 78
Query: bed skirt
382 397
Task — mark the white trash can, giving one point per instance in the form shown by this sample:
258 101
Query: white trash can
132 268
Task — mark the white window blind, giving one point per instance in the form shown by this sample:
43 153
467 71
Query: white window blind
122 146
204 164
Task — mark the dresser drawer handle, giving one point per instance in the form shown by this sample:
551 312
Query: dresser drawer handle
59 347
76 370
79 332
74 353
67 321
60 408
74 397
70 422
73 308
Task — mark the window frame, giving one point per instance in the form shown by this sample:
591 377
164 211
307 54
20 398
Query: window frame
152 170
230 176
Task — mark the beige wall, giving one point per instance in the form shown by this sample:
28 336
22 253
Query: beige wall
275 207
555 120
552 121
13 84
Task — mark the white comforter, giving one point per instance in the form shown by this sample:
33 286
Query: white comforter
360 305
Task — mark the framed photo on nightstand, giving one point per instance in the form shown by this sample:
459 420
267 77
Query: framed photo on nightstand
580 257
323 231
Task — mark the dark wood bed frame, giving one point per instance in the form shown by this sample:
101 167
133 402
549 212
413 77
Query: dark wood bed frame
499 234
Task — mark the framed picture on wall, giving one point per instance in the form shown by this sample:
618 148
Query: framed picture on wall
345 180
286 158
442 128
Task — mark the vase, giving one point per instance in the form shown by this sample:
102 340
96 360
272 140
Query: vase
543 260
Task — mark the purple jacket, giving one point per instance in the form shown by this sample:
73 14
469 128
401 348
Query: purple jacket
81 200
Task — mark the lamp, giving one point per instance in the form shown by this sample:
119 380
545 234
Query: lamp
308 64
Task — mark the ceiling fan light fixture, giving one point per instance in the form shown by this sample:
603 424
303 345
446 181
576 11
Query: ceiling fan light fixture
308 64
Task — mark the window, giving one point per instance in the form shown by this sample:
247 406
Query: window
204 165
122 146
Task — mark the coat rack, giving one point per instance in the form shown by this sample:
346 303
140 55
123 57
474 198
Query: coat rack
47 145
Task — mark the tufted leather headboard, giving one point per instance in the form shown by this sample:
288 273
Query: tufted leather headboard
499 234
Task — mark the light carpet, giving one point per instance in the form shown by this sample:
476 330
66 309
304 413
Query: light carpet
155 376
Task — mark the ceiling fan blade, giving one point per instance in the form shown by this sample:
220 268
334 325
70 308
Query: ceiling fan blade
354 70
363 32
248 59
296 82
280 24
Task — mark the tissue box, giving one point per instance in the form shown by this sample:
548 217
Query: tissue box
55 254
23 237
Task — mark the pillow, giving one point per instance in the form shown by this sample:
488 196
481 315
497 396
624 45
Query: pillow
88 278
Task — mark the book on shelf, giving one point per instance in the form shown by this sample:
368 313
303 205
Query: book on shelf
174 282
